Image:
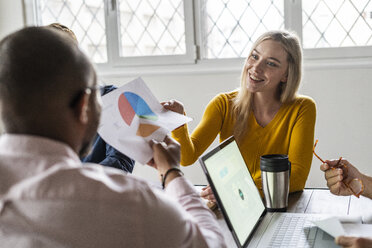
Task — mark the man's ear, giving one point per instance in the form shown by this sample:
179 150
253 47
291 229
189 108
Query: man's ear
81 108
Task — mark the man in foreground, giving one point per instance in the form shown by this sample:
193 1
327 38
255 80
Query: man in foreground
50 108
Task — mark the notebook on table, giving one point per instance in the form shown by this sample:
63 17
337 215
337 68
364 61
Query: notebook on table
244 211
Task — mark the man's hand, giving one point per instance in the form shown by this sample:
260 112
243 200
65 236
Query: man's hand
338 173
207 194
353 242
166 154
174 106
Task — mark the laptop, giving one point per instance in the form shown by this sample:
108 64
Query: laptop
243 208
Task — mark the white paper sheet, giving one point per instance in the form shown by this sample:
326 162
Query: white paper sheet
358 230
132 116
331 225
334 227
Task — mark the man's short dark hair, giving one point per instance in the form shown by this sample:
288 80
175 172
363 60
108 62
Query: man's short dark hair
38 66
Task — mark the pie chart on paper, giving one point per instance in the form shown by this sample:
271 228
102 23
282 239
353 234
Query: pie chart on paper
130 104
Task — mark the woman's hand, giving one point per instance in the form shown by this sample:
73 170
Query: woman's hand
173 105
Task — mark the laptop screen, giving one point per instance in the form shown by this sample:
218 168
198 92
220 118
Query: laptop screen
237 194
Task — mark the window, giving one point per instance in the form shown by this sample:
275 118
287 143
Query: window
118 33
151 32
337 29
151 28
336 23
230 27
85 18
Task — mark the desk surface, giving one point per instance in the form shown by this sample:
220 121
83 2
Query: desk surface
315 201
321 201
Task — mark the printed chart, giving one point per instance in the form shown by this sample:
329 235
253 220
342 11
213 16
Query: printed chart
131 104
132 116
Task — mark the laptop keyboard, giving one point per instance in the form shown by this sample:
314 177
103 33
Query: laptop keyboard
294 231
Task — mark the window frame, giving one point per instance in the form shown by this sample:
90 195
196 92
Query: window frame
293 21
113 40
193 61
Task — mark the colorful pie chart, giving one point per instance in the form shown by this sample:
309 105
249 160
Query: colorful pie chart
131 104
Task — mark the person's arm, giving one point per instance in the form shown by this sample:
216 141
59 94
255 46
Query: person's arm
204 222
197 226
192 146
116 159
301 144
353 242
336 178
106 155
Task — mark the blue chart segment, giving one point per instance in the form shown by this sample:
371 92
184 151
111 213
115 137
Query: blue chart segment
139 106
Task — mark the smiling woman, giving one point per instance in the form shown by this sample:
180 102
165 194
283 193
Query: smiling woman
265 114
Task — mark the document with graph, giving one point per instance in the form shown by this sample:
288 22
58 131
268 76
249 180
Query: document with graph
132 116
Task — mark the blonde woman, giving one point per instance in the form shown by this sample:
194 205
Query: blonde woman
266 115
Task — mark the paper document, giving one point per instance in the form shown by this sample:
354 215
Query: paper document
335 228
331 225
358 230
132 116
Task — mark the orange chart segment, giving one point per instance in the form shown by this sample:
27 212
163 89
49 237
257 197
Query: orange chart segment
145 130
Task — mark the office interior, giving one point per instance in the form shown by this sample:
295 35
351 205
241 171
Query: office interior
341 88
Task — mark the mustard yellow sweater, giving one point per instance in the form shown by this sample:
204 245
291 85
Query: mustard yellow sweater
290 132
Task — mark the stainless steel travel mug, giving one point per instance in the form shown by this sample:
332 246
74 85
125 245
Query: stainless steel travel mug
275 176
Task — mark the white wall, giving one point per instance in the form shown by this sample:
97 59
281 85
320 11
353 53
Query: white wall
344 116
11 19
11 16
343 99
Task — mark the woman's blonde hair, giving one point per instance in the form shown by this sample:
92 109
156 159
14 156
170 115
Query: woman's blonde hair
242 104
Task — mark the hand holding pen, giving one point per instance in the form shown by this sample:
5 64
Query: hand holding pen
342 177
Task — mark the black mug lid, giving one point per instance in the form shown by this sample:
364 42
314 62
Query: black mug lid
275 163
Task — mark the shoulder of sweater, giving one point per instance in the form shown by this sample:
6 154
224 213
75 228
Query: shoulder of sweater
304 100
223 100
226 96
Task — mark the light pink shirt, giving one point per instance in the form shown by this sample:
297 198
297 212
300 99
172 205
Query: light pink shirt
48 199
